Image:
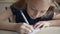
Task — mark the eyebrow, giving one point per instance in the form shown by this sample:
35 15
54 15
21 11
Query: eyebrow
34 9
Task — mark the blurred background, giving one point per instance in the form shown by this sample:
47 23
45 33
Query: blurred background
4 3
49 30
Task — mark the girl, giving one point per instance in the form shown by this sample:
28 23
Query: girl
37 13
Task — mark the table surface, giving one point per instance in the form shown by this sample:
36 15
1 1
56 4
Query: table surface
49 30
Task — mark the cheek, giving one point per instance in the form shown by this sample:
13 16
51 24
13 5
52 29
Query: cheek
40 14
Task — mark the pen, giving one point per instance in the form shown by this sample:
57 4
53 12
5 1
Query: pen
36 30
24 17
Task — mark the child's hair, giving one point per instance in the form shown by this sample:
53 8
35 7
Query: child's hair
20 3
56 4
23 3
54 8
57 7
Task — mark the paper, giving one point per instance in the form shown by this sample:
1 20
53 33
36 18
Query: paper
35 31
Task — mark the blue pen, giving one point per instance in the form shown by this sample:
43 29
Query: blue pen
24 17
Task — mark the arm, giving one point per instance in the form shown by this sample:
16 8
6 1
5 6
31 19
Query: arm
19 27
6 25
9 26
53 23
56 20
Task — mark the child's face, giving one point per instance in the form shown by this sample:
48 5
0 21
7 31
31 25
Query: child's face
41 6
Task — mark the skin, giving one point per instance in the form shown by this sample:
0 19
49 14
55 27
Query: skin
35 4
37 9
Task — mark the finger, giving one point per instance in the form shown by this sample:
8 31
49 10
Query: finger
36 25
24 28
29 27
40 25
24 31
43 27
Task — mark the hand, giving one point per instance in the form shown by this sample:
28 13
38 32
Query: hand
41 24
25 28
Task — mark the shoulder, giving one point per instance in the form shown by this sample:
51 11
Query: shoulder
56 14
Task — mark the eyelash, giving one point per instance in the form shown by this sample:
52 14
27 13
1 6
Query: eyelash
34 9
37 10
42 11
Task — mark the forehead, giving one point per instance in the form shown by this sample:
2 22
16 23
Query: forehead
39 4
41 1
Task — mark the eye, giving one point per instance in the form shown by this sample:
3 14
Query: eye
42 11
34 9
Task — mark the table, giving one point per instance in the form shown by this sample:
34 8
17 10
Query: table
48 30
